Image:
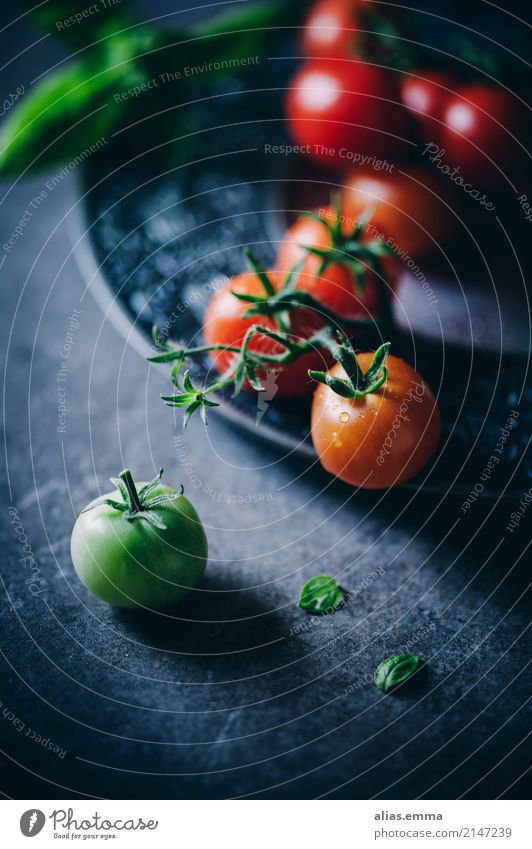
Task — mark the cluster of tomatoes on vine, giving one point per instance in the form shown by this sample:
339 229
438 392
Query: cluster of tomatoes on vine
374 421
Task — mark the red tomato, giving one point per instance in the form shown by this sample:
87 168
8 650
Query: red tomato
335 287
338 109
478 125
331 29
382 439
224 324
424 94
412 206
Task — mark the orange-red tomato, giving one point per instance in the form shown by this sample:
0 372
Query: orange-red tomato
382 439
335 287
414 208
225 324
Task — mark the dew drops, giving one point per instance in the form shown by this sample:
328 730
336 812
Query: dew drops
337 442
344 417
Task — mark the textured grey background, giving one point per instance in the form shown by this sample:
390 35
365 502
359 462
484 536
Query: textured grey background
219 697
216 697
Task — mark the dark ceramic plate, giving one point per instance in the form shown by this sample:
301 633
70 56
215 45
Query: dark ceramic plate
160 243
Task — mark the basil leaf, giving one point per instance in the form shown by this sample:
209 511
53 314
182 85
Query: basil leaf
395 670
320 594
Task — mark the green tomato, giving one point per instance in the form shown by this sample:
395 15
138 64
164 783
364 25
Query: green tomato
139 548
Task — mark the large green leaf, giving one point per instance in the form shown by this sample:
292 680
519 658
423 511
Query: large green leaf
72 108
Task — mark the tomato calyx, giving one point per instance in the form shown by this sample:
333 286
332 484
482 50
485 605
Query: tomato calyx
137 504
274 303
349 249
278 303
358 383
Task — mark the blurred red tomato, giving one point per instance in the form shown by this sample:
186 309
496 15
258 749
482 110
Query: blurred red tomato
411 206
331 29
478 128
424 94
341 108
482 127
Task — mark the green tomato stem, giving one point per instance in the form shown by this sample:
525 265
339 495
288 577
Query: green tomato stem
135 505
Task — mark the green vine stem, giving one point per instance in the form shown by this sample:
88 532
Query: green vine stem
358 383
245 367
134 502
277 304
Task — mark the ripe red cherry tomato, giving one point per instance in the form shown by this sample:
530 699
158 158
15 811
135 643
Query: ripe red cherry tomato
225 324
336 286
381 439
412 206
424 93
339 109
331 29
479 123
473 125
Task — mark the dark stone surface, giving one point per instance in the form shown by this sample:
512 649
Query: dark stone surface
220 697
235 692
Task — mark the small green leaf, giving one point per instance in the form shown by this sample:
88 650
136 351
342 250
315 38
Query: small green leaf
121 487
378 362
320 594
181 399
166 357
395 670
261 272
